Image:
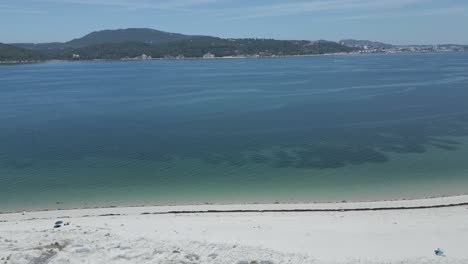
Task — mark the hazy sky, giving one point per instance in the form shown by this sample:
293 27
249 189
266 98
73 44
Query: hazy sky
393 21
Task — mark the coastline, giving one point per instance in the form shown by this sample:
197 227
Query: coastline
176 59
378 205
405 231
225 57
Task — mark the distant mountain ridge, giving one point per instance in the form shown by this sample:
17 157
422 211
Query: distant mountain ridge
134 42
144 35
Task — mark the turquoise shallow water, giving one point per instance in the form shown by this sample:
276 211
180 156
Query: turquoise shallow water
323 128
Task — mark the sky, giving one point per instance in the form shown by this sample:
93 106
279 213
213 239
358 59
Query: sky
391 21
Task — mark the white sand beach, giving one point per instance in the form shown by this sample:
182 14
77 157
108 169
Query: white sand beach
367 232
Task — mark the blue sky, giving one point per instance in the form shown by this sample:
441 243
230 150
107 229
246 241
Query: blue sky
393 21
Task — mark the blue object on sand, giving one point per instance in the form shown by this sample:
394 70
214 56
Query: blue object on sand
58 224
439 251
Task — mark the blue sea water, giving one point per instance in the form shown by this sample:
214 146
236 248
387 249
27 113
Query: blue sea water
322 128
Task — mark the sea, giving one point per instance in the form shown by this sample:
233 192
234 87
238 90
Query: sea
82 134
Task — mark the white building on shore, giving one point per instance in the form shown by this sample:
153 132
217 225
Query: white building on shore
209 56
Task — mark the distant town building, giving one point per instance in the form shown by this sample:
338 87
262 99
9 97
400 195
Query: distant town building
144 57
208 56
76 56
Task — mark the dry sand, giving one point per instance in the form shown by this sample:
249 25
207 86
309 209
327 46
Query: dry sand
314 235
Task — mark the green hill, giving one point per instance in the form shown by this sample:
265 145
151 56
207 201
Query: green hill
41 46
199 46
133 42
10 53
144 35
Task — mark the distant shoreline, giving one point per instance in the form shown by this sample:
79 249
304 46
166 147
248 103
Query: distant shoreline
304 206
20 62
225 57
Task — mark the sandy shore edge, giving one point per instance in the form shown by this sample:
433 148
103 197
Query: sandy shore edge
424 203
390 232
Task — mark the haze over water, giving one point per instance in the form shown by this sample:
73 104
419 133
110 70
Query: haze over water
323 128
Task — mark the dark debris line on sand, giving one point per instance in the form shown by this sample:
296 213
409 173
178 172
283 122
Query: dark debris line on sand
284 210
310 210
